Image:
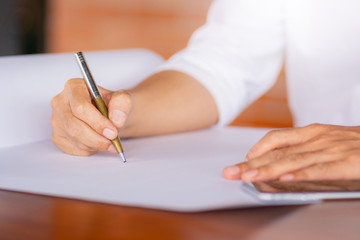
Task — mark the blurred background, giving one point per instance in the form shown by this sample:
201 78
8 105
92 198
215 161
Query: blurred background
163 26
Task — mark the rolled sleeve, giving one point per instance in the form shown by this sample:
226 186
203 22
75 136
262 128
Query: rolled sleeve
237 54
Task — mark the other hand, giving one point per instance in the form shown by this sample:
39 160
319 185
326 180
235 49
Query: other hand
315 152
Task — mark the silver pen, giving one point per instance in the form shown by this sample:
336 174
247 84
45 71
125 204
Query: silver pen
98 100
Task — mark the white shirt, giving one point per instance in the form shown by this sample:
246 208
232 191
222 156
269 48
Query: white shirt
238 53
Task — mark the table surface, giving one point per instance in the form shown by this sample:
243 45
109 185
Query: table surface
29 216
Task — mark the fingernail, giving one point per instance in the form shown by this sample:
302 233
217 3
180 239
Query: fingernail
109 133
118 117
232 172
287 177
112 149
250 175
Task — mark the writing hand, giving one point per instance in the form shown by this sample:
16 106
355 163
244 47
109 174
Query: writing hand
78 127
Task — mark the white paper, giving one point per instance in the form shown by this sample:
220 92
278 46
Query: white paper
181 172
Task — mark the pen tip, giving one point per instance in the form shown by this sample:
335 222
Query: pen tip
122 157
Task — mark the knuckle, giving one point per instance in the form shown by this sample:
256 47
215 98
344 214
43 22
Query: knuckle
55 101
68 85
98 126
71 82
298 158
316 127
252 152
127 98
54 139
72 129
123 96
272 133
78 109
275 136
339 147
277 154
266 171
270 171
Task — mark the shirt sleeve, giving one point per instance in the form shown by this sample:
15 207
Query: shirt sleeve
237 54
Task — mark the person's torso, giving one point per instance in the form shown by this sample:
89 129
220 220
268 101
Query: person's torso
323 60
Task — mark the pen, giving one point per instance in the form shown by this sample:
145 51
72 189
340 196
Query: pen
98 100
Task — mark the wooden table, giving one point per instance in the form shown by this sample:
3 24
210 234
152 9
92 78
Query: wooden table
28 216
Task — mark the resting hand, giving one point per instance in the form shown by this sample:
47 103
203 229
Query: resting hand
78 127
315 152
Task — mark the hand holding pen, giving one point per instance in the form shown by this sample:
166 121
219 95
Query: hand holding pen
79 128
98 100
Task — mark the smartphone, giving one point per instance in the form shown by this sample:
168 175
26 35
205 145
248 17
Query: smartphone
304 190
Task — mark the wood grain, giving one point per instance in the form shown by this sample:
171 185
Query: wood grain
28 216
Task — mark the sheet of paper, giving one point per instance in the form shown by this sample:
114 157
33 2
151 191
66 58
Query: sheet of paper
181 172
29 82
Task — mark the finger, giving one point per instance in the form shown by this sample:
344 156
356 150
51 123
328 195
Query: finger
278 160
74 142
60 132
83 109
83 134
301 156
232 172
288 164
81 146
68 147
236 171
60 136
283 138
119 108
80 132
338 170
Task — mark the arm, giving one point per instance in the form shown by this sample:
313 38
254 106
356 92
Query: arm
234 58
170 102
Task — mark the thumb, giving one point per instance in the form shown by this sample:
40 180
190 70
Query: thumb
120 106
